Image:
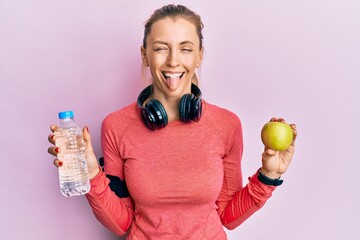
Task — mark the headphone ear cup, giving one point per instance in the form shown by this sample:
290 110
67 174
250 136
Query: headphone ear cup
196 109
185 108
148 118
156 115
182 108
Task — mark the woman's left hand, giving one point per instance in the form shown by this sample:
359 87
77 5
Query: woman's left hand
275 163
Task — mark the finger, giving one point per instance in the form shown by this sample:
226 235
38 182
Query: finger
51 138
281 120
58 163
53 150
273 119
294 138
53 127
293 126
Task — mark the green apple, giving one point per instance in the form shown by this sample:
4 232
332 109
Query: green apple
277 135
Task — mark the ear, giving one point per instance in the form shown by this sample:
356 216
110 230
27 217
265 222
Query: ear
143 56
201 56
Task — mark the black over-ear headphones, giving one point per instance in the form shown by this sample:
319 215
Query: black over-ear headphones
154 114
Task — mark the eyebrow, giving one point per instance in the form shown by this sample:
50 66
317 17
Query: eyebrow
165 43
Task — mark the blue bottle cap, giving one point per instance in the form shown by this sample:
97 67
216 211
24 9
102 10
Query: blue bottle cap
66 114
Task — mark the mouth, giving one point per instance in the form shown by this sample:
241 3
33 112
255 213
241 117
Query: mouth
168 75
173 79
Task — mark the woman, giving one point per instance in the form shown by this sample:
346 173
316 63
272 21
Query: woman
179 155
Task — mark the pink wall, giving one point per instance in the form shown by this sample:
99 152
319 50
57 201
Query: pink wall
294 59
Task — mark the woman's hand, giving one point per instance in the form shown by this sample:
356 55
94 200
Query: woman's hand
91 159
275 163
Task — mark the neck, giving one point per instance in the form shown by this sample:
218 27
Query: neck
170 103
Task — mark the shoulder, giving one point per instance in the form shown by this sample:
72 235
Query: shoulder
220 115
225 123
122 118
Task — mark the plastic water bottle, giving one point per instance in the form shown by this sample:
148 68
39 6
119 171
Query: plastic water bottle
73 174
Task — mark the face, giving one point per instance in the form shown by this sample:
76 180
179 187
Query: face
172 54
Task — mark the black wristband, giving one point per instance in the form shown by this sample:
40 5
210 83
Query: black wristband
269 181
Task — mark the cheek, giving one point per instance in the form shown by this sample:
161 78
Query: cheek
190 63
156 61
193 59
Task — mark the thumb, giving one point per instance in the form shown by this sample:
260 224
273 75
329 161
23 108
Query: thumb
269 151
91 159
87 138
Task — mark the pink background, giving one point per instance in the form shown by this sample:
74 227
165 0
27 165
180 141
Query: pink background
294 59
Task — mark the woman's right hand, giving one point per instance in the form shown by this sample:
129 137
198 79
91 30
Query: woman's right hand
91 159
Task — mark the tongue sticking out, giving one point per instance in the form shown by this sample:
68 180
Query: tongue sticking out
173 82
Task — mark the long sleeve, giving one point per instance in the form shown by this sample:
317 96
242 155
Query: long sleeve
237 203
113 212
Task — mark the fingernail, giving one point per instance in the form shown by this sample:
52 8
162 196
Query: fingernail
60 163
52 137
57 150
87 129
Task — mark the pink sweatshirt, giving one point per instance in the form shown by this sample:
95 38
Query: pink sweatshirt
184 180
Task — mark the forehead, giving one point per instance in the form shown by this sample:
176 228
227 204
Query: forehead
173 31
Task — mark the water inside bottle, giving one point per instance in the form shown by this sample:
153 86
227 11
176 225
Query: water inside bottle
73 174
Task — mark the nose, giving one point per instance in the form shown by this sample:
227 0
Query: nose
172 59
